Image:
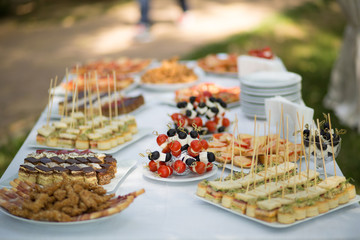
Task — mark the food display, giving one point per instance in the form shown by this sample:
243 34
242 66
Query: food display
219 63
100 70
278 194
123 65
124 104
78 132
228 95
170 72
48 167
203 113
64 201
181 152
272 148
265 52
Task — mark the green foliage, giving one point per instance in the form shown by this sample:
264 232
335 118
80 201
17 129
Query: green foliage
307 39
8 151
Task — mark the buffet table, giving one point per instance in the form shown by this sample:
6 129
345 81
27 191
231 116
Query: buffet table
171 210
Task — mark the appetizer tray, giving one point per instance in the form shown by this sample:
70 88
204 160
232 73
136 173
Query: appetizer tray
96 220
141 134
279 225
123 168
177 178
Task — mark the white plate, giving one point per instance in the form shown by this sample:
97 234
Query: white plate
141 133
279 225
56 223
176 86
60 91
123 168
261 100
175 178
221 74
271 79
235 168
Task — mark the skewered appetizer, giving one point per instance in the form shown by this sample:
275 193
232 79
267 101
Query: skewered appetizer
170 72
267 148
278 195
228 95
181 152
98 133
327 140
124 105
64 201
48 167
219 63
202 112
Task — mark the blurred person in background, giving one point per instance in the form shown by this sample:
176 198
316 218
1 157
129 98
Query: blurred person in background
143 27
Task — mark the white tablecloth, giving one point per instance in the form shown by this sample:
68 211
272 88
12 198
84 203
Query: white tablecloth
171 210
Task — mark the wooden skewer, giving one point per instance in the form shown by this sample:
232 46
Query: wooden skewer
252 166
277 151
308 165
64 112
109 96
302 142
73 103
77 91
252 160
282 119
314 146
85 102
266 154
116 96
270 148
321 149
233 148
48 115
99 100
287 148
332 144
239 139
52 97
90 103
256 157
295 142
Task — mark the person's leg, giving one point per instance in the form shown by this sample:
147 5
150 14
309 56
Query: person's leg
144 11
183 5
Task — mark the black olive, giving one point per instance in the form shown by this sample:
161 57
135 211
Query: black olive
221 129
154 155
211 156
192 99
171 132
194 134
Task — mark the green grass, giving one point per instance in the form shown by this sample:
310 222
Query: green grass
307 39
8 150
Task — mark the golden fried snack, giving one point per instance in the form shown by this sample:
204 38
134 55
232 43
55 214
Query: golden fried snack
170 72
62 202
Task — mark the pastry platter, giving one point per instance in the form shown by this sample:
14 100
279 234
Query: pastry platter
279 225
136 137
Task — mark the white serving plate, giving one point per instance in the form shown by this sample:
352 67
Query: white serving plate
270 79
123 168
261 100
141 133
279 225
45 223
191 177
268 92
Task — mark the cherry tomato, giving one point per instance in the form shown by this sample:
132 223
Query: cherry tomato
197 121
216 120
204 144
179 166
191 152
199 167
152 166
211 126
170 170
226 122
176 116
164 171
176 154
209 167
183 122
161 139
196 146
175 146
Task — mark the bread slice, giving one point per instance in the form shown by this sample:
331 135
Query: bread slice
333 202
238 206
250 210
312 211
351 190
300 213
227 200
323 206
285 217
266 215
343 197
81 144
201 189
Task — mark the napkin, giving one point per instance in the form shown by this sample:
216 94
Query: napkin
290 111
250 64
